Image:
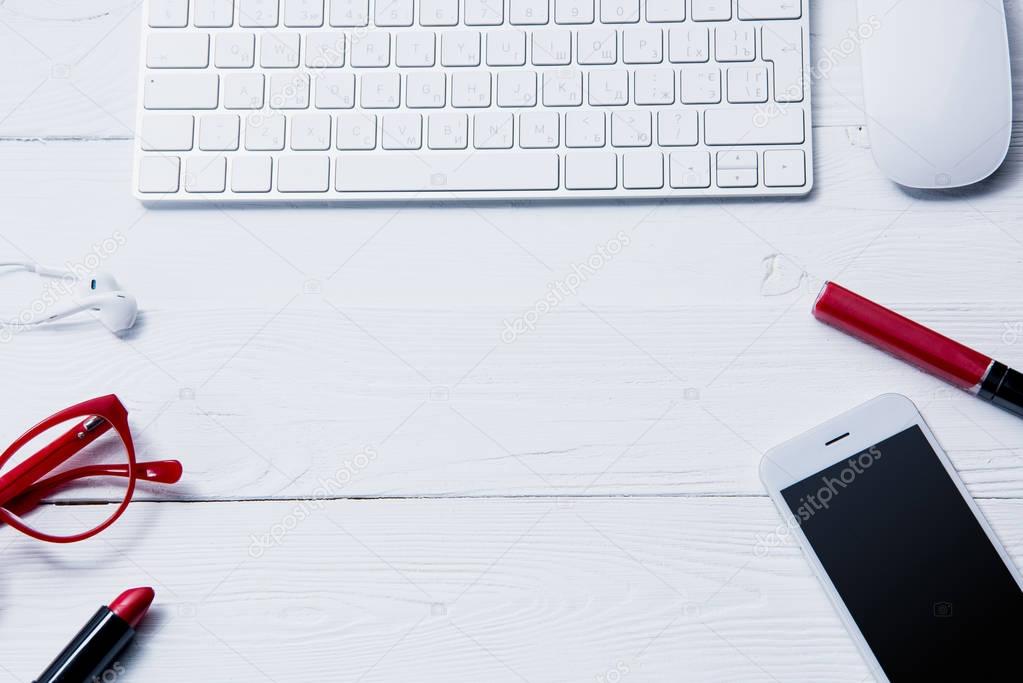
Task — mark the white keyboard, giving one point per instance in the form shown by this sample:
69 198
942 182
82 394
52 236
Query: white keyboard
334 100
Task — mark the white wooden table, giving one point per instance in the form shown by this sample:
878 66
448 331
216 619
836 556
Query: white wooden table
578 504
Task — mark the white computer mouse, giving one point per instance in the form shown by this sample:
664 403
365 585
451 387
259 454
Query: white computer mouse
937 88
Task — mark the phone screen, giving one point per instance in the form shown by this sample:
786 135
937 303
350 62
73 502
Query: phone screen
928 590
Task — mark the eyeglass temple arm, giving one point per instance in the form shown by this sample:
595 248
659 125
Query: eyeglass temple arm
51 456
159 471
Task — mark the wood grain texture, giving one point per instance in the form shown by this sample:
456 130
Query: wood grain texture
274 344
468 590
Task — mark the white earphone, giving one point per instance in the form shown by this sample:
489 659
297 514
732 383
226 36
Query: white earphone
99 292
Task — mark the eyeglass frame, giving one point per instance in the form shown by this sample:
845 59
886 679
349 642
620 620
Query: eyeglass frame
27 483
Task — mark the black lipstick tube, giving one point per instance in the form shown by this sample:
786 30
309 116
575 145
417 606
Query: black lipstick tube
89 654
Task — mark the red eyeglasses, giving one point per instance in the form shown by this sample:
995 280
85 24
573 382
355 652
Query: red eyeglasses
88 444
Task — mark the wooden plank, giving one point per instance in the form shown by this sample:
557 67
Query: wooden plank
64 86
453 590
274 344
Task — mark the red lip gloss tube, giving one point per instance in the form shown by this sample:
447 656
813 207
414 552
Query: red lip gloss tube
99 642
920 346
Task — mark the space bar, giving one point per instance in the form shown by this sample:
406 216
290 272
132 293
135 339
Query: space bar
446 171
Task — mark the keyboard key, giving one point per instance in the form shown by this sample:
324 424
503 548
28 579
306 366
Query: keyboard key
303 13
506 48
770 9
325 50
448 131
401 131
180 90
785 168
689 170
712 10
493 130
349 13
425 90
563 88
264 133
516 88
235 50
289 91
159 174
279 50
528 12
677 128
393 13
701 85
735 44
584 129
303 173
447 171
205 174
258 13
251 173
619 11
310 132
380 91
737 160
243 91
438 12
642 46
372 50
218 132
166 133
688 45
335 91
168 14
748 126
643 170
783 45
747 84
573 11
665 10
178 50
654 86
591 170
213 13
740 177
630 129
552 47
356 131
609 87
597 46
484 12
470 89
415 49
460 48
538 130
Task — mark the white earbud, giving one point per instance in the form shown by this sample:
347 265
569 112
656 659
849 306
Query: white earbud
99 293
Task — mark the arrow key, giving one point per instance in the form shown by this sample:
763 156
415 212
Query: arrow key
785 168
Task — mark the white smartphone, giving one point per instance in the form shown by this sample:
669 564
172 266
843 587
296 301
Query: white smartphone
911 565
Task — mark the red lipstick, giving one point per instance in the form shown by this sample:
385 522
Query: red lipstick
132 604
920 346
94 648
